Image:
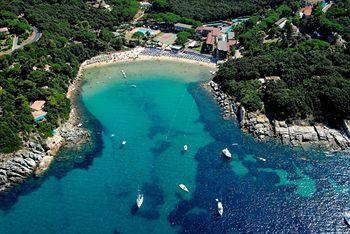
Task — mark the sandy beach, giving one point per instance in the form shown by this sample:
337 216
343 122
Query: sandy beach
138 55
133 55
147 58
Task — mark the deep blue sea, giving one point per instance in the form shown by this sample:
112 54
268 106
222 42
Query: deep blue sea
157 109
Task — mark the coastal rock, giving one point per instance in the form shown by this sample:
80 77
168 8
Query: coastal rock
33 159
321 133
35 156
257 124
346 126
43 165
241 114
20 165
74 136
295 134
340 140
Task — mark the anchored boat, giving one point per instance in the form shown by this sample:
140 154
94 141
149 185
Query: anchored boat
124 74
220 207
139 199
185 147
227 153
184 188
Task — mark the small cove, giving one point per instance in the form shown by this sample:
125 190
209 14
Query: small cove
166 110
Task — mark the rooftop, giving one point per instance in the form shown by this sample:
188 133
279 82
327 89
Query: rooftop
38 105
307 10
216 32
230 35
4 29
210 39
280 21
232 42
181 25
38 114
222 46
204 28
176 47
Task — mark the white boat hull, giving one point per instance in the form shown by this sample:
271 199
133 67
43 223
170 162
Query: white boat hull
227 153
220 207
139 201
185 147
184 188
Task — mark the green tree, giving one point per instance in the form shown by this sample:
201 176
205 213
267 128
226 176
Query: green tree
182 37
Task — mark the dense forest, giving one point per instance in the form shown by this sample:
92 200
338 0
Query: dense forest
215 9
72 32
307 73
340 14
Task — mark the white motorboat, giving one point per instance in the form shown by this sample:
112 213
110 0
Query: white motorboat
139 199
220 207
112 135
185 147
262 159
227 153
234 144
184 188
79 125
123 142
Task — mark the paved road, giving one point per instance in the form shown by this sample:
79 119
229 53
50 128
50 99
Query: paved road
34 37
14 43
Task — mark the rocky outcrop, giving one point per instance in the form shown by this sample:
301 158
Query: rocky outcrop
311 135
258 125
20 165
296 135
346 126
225 102
35 157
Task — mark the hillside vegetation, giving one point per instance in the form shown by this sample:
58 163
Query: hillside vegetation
214 9
310 77
72 32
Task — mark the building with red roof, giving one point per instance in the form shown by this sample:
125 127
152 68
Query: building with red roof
217 40
305 12
37 110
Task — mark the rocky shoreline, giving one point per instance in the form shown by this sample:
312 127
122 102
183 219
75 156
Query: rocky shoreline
262 128
37 154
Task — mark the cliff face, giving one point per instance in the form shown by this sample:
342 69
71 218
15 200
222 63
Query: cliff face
261 127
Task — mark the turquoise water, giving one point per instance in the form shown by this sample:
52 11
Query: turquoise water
157 109
145 30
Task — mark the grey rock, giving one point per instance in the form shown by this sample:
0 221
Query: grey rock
321 132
